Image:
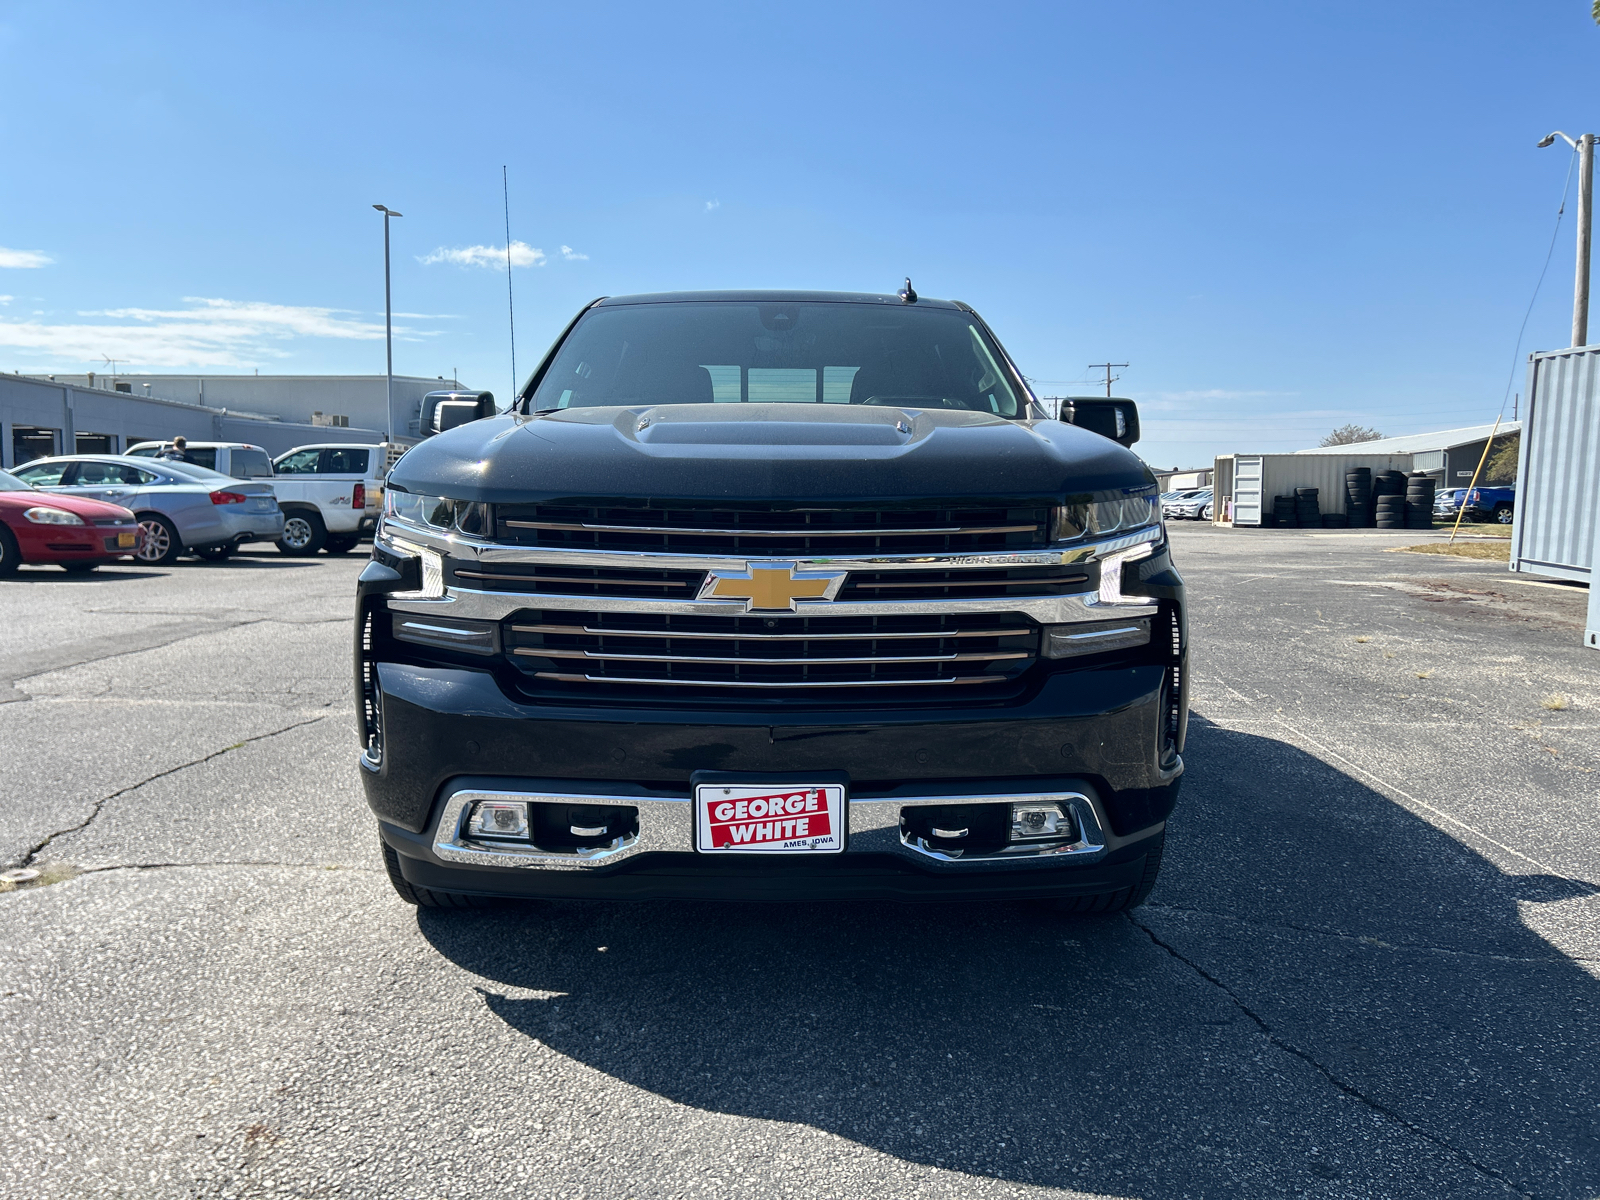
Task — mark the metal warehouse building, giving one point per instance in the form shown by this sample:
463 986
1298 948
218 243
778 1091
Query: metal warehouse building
98 414
1449 455
356 400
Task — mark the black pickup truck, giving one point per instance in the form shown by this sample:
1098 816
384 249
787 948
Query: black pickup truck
772 595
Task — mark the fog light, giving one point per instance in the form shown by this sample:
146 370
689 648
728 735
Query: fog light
499 819
1039 821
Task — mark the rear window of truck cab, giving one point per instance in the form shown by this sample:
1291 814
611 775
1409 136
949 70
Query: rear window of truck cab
731 352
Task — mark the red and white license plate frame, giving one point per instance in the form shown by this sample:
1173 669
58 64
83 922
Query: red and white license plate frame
804 818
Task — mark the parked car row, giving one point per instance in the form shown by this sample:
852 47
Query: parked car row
1191 505
84 510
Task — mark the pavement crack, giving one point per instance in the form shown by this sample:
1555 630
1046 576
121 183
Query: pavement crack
1366 939
99 805
1327 1073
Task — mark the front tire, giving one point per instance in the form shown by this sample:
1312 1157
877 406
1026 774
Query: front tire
10 557
1505 514
79 568
159 543
424 897
216 553
303 533
1123 898
340 543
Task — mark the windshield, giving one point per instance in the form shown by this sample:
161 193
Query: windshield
801 353
10 483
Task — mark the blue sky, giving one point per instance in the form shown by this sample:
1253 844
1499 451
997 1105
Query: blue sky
1282 216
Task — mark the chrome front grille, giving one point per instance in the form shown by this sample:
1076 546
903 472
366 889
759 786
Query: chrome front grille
584 651
774 533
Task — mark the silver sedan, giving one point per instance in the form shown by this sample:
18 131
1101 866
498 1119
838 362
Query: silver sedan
182 508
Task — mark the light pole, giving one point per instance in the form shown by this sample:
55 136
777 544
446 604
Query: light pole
388 324
1584 145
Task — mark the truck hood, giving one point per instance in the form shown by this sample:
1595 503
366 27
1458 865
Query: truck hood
764 452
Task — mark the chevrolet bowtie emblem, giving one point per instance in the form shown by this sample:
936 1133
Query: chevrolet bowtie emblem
771 586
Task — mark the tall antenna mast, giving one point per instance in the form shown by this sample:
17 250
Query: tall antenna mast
511 304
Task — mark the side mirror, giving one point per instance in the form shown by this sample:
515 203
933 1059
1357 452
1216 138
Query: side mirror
1115 419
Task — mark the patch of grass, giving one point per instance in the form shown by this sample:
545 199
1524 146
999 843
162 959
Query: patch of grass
1556 702
1363 638
1493 552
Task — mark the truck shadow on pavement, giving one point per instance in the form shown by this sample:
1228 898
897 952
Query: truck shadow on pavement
1325 994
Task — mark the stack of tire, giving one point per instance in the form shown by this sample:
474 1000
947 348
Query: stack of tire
1358 497
1283 512
1389 500
1306 513
1334 520
1419 501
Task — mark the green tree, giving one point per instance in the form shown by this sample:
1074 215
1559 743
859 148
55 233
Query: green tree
1502 464
1347 435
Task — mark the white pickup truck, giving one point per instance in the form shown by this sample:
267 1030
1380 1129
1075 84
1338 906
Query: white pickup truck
331 495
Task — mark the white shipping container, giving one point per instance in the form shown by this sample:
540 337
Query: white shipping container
1557 529
1248 482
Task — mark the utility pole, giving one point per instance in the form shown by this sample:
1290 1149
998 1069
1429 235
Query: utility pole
1110 378
388 323
1584 145
1580 290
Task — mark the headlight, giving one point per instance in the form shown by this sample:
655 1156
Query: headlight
1101 518
437 512
52 516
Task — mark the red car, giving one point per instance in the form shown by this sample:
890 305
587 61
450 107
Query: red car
45 527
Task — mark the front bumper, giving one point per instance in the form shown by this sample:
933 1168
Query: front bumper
881 860
1090 738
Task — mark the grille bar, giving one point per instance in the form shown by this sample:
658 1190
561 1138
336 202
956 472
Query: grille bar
545 652
735 683
568 579
772 637
927 584
810 531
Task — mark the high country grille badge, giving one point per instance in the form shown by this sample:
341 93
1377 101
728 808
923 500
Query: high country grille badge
771 586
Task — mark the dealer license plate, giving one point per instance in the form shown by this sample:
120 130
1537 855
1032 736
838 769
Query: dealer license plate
768 819
127 541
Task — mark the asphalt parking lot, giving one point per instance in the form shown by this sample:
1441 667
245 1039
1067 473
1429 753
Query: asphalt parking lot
1369 968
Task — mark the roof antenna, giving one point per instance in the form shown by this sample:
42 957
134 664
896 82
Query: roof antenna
908 294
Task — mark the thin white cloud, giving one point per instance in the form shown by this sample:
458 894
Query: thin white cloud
571 255
430 316
24 258
711 204
210 333
6 299
522 255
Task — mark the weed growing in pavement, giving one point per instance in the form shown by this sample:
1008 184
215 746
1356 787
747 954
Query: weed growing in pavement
1424 674
1556 702
1363 638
